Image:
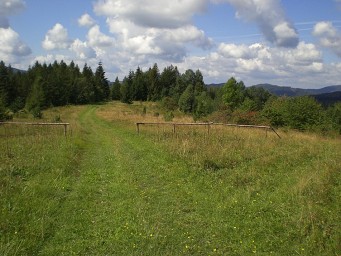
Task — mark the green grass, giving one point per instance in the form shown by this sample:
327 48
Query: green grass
107 191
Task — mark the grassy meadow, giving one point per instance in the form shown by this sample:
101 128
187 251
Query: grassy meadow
106 190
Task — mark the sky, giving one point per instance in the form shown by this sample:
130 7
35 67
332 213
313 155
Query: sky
293 43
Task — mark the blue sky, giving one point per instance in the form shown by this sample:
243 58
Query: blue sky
290 42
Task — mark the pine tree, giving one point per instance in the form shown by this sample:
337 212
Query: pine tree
4 84
102 89
153 83
115 90
127 88
187 99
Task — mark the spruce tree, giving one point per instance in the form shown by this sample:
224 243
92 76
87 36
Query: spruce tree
115 90
102 89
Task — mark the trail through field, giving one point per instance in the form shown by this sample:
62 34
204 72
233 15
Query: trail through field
126 198
108 191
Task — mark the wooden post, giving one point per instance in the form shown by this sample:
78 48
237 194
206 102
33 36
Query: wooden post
275 132
65 129
138 128
174 128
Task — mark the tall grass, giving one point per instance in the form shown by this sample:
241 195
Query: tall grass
282 194
37 166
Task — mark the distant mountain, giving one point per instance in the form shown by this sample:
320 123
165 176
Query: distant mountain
215 85
15 70
326 96
289 91
328 99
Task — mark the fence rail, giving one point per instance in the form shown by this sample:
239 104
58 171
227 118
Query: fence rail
206 124
39 124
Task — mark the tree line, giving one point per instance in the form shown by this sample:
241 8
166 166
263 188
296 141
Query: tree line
58 84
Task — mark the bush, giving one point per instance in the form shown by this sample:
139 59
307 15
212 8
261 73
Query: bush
302 113
169 103
220 116
334 113
37 113
5 114
275 111
168 116
245 117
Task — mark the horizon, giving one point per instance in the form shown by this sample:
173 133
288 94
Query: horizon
221 83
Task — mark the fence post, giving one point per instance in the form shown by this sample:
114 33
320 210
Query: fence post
65 129
138 128
275 132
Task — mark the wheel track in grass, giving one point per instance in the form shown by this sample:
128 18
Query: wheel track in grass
126 199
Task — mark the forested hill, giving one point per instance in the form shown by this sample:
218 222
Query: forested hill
328 99
291 91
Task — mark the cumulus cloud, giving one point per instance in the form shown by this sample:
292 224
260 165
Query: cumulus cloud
257 63
270 17
329 36
56 38
86 21
157 28
82 50
150 13
97 39
186 34
8 8
11 44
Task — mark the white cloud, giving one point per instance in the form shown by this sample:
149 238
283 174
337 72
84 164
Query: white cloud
259 63
11 45
186 34
270 17
86 21
8 8
97 39
143 45
56 38
156 28
235 51
329 36
285 35
82 50
151 13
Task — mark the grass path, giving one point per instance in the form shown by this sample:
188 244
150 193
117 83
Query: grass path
129 198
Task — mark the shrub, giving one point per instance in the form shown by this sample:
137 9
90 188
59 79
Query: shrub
37 113
168 116
302 113
5 114
169 103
